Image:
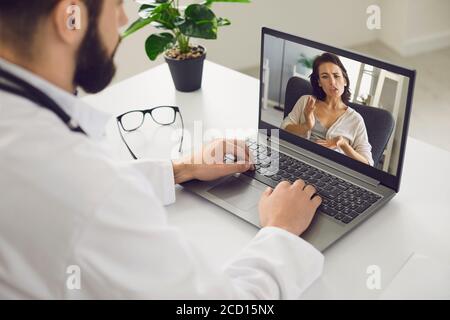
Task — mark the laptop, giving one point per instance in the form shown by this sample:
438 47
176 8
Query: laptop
352 188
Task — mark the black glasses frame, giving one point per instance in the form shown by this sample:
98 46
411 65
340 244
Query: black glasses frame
149 111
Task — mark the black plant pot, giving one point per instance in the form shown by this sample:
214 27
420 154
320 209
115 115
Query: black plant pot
187 74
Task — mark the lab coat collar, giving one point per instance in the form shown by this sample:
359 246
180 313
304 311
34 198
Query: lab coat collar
91 120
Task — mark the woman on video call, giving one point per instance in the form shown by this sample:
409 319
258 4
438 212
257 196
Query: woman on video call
325 117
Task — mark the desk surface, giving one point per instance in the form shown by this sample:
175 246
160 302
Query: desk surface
415 221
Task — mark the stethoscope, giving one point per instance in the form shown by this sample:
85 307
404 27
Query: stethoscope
14 85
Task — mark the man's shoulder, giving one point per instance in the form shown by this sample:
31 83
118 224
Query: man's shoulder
51 155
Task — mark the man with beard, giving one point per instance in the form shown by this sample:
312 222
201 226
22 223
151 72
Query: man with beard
76 224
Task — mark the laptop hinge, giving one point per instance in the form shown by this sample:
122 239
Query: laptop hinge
315 158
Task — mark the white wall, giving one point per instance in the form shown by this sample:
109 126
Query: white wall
407 26
393 22
341 23
131 58
414 26
322 20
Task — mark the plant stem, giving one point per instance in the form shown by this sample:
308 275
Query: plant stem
183 42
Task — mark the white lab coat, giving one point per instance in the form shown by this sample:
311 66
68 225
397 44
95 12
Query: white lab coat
64 202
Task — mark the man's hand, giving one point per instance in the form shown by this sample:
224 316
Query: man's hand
289 207
208 163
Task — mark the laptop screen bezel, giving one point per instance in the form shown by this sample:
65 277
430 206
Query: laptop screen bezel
386 179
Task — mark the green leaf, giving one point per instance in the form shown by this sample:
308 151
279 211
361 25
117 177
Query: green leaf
151 1
204 30
199 22
221 22
166 15
158 43
146 13
135 26
305 61
198 12
146 10
179 21
158 25
210 2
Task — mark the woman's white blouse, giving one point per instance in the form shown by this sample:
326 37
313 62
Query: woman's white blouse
350 126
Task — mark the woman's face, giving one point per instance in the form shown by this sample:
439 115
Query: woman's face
331 80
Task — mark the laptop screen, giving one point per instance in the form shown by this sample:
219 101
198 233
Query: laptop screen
347 107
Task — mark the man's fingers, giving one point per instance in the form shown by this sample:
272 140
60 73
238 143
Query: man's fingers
231 168
238 148
267 192
317 201
299 184
310 190
241 167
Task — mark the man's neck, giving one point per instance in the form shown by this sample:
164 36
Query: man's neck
61 76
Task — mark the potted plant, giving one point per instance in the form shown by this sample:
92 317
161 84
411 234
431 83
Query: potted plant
179 24
306 64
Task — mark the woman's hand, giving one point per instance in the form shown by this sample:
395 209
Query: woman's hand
309 112
334 143
344 145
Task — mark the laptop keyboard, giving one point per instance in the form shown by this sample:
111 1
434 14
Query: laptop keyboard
341 200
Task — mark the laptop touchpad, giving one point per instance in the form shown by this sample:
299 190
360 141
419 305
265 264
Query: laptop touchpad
238 193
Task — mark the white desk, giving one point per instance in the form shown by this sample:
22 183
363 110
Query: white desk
416 221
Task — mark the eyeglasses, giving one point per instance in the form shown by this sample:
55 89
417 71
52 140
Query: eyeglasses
162 115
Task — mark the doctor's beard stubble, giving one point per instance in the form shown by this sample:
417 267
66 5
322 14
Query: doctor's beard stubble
95 69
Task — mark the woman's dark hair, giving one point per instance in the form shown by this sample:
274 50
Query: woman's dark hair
314 77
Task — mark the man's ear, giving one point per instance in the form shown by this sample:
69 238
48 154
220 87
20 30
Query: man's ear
69 18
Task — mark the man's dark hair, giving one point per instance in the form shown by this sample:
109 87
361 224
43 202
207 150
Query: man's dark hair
94 65
314 78
20 18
